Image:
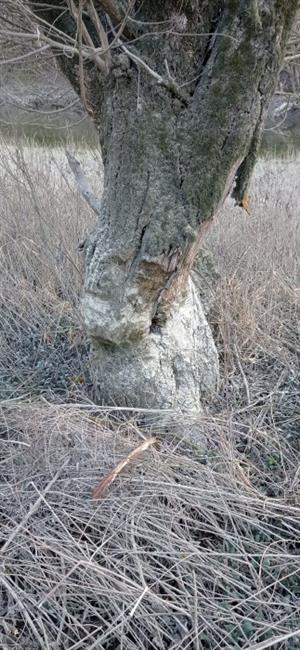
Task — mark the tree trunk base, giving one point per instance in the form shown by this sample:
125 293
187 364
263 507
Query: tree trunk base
174 367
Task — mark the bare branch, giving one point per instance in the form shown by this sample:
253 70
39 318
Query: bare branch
21 57
93 201
168 83
101 32
81 26
83 32
111 8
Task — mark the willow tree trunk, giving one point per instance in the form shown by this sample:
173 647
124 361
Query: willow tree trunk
179 117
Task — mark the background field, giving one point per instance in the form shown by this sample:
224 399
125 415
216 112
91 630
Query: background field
192 546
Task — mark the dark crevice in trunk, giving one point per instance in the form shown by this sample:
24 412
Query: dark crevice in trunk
141 209
156 326
139 255
245 169
213 28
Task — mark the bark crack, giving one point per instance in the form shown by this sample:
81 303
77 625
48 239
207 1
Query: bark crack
144 197
213 28
245 169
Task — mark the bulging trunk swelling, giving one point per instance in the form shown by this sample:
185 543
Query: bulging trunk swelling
179 118
170 367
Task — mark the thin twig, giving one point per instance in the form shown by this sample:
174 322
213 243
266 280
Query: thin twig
94 55
21 57
32 509
168 83
269 643
237 358
81 67
101 33
112 10
12 591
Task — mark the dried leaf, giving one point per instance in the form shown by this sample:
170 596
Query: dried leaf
245 203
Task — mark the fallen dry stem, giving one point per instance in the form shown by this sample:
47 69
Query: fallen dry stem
102 486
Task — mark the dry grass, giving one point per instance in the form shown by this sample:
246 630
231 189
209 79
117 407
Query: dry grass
256 318
188 548
43 219
184 550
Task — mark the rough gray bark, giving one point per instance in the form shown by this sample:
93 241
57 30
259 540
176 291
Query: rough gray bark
174 142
